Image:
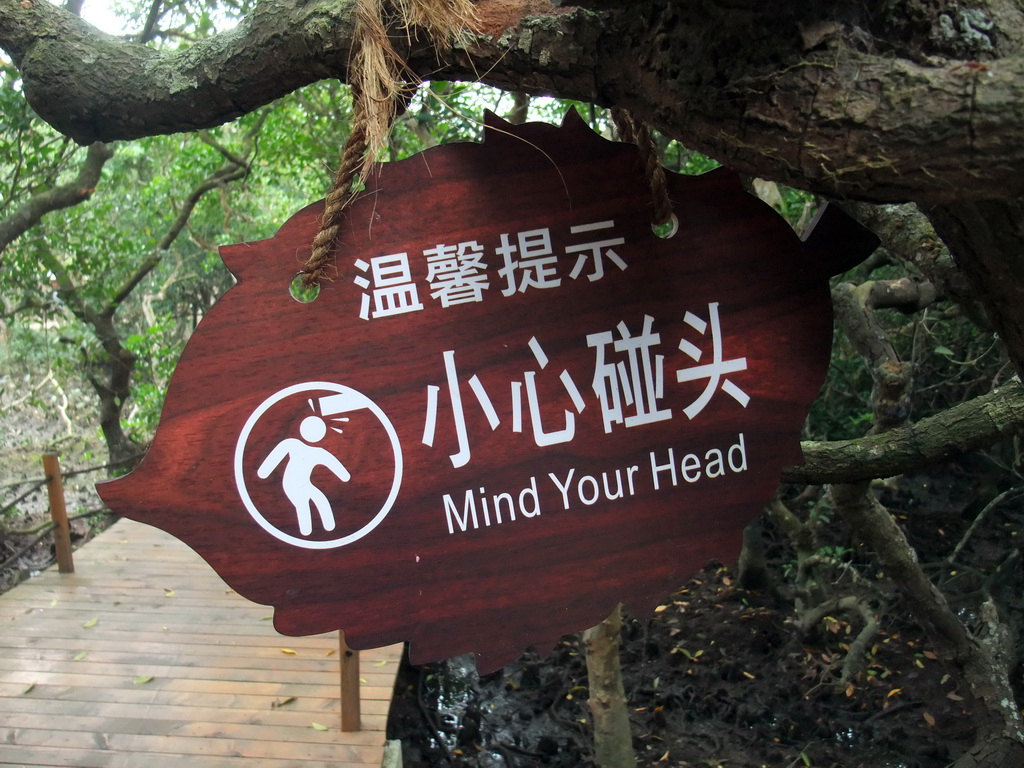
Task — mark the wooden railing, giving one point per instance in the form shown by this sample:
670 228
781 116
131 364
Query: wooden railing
351 715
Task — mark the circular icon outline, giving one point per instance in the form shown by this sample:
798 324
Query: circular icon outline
243 491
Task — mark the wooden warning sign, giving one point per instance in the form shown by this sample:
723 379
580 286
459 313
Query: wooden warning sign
513 407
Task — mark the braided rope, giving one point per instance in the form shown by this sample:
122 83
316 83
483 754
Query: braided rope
341 194
634 131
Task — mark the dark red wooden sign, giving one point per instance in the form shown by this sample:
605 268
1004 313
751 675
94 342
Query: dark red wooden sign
514 407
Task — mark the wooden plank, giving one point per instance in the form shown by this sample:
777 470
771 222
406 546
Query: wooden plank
219 673
247 657
34 757
141 697
254 711
22 727
85 666
328 747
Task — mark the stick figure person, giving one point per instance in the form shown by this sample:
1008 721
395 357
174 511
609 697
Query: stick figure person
302 459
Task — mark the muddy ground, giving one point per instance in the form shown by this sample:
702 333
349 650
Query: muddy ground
720 676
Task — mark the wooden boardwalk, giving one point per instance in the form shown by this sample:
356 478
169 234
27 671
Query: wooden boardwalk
145 659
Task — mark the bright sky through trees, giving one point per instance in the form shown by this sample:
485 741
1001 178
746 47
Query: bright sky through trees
100 13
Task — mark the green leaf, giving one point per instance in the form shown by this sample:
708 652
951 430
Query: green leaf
80 655
91 623
142 679
944 351
318 726
28 688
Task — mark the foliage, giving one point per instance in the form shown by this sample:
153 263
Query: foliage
119 254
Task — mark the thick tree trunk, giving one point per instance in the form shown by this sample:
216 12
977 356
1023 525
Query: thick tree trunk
846 98
987 241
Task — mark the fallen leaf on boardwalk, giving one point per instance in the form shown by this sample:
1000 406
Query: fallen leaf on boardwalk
91 623
280 703
168 592
80 655
142 679
54 603
929 719
318 726
266 618
381 663
362 680
289 651
331 652
28 688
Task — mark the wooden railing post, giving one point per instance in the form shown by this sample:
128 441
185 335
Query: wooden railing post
59 513
350 705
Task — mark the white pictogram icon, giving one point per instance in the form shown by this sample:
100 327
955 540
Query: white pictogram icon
295 459
301 459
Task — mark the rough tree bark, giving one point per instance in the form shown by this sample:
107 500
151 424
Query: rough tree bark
908 100
969 426
613 741
839 97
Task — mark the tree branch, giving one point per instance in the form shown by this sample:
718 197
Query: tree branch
856 110
983 659
966 427
909 237
64 196
149 28
235 168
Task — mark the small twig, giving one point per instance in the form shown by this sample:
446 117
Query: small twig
891 710
1013 492
38 484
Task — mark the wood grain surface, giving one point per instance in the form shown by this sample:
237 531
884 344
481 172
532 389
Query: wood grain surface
594 511
75 649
